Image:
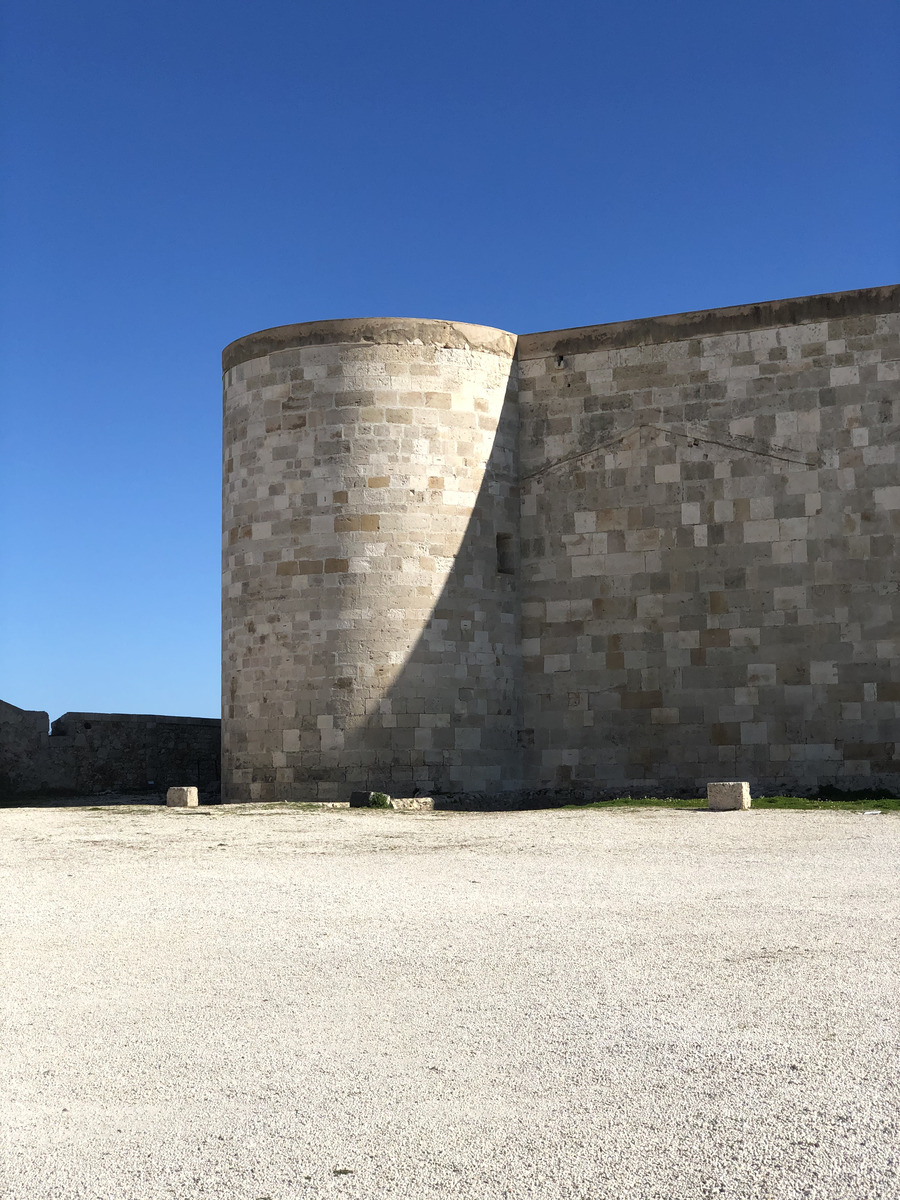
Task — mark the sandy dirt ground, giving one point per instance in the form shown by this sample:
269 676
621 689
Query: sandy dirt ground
633 1004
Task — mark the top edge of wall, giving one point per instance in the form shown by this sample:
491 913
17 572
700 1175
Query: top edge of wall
741 318
100 717
675 327
390 331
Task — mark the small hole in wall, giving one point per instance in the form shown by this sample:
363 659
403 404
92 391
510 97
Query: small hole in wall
559 360
505 554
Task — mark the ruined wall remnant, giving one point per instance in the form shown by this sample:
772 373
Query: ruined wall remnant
25 762
625 557
88 753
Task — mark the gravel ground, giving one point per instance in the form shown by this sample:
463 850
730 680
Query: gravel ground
627 1003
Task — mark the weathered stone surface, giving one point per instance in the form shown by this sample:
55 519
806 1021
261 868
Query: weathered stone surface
709 541
182 797
412 803
727 795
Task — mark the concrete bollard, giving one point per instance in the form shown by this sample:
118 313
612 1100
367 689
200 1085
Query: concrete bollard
182 797
728 795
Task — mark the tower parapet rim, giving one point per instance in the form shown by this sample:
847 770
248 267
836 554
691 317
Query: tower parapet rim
361 331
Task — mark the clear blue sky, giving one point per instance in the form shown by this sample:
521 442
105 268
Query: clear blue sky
180 174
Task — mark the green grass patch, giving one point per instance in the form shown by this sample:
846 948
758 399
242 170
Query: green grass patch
851 804
639 802
797 803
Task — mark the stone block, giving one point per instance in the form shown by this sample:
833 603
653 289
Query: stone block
182 797
412 803
728 795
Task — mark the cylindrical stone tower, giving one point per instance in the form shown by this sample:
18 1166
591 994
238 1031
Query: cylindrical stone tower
370 618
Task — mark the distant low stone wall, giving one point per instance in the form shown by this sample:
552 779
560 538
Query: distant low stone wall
90 753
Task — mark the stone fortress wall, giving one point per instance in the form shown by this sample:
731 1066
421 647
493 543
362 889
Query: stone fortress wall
83 754
629 557
710 520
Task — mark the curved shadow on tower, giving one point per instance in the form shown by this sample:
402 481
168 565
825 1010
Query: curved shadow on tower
449 720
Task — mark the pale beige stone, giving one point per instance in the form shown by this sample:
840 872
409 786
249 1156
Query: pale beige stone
182 797
728 795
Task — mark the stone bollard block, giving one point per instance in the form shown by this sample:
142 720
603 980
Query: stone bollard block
729 795
182 797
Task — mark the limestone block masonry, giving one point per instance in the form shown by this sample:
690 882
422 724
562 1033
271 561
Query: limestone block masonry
631 557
